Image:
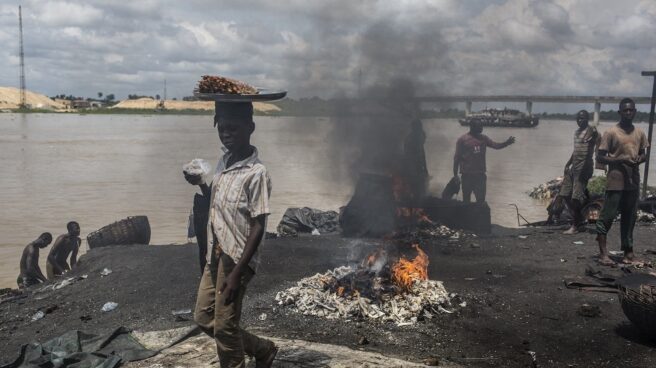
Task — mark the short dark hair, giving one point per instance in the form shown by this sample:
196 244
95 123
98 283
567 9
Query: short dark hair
70 225
626 100
46 236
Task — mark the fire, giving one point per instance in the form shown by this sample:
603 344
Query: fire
414 213
405 271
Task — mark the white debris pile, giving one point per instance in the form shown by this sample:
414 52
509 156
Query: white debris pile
441 231
432 231
312 296
547 190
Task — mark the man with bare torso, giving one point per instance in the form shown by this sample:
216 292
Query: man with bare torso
579 169
65 245
30 272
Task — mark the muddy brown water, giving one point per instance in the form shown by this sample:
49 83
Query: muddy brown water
97 169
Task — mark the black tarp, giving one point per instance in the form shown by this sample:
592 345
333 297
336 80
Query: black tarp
305 220
76 349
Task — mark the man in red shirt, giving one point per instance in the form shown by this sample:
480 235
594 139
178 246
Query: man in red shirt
469 160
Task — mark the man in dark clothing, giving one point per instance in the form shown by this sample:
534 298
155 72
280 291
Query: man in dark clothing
623 148
30 272
470 161
579 169
415 161
65 245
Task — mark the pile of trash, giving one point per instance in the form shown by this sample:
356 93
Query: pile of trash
441 231
313 296
547 190
432 231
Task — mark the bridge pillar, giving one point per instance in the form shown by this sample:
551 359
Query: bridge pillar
468 105
529 107
597 110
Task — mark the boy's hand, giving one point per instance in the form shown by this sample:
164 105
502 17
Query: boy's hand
230 287
193 179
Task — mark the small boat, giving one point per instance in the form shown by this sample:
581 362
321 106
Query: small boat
501 118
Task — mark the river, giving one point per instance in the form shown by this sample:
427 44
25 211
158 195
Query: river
96 169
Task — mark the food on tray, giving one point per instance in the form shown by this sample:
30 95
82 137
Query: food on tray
217 84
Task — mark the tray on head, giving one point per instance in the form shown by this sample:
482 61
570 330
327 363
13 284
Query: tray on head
263 95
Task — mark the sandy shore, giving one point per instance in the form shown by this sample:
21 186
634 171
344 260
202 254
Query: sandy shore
513 287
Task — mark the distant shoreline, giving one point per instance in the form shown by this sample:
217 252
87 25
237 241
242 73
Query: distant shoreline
450 114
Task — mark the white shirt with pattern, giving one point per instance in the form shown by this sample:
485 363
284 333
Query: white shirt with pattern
239 193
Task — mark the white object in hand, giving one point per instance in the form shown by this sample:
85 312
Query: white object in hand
197 166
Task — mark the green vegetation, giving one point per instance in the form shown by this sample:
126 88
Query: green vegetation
597 185
609 115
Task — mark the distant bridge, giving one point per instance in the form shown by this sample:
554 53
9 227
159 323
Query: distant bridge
596 100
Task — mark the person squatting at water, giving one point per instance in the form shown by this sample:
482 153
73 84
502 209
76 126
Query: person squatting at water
469 159
65 245
623 149
30 272
579 169
239 205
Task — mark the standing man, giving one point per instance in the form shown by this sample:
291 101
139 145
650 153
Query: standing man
415 161
623 149
65 245
239 205
470 159
579 169
30 272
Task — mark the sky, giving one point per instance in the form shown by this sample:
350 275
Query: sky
332 48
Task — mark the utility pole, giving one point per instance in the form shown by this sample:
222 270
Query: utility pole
23 103
651 130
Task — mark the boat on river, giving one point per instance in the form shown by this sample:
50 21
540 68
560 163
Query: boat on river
501 118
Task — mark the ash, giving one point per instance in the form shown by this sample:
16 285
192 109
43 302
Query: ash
314 296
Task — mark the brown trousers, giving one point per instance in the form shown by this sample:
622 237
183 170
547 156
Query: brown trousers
221 321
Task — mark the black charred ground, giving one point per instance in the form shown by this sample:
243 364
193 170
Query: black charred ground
513 287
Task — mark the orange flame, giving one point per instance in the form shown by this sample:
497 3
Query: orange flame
417 213
405 272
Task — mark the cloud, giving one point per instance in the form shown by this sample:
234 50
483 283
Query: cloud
324 48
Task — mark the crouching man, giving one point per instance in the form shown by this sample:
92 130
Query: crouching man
30 272
239 205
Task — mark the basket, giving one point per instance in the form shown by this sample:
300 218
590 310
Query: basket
132 230
639 306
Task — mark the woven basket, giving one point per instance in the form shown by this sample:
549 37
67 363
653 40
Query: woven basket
639 306
132 230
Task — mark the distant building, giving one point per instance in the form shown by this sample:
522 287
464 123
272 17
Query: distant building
80 104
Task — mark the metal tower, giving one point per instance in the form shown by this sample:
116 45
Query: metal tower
22 61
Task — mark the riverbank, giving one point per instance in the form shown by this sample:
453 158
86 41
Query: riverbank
516 301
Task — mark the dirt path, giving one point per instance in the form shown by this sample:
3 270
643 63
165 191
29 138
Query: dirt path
516 300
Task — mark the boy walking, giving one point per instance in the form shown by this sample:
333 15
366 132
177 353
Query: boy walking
239 205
